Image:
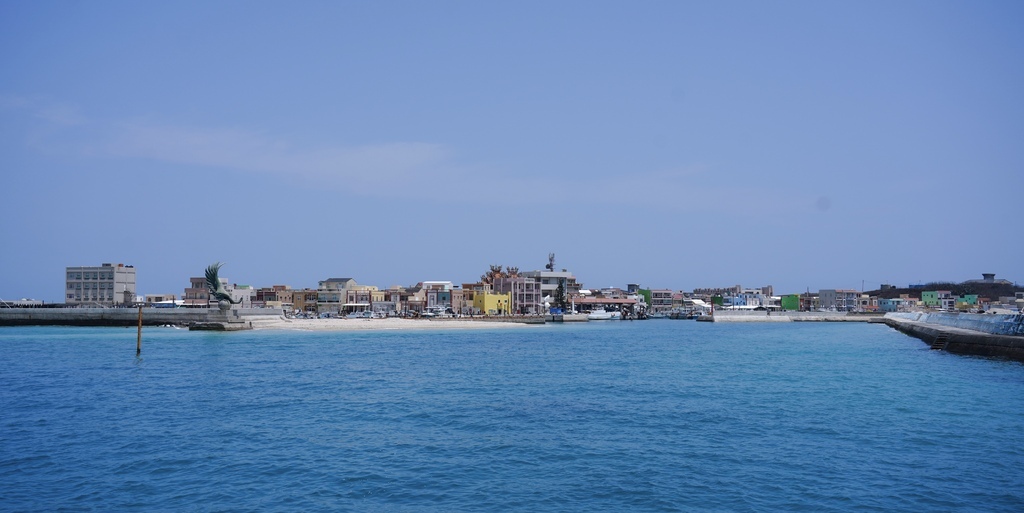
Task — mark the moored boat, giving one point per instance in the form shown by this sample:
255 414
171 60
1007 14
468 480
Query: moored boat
604 315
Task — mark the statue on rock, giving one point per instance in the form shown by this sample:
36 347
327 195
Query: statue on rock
216 288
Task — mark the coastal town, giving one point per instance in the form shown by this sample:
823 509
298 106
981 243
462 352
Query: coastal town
510 291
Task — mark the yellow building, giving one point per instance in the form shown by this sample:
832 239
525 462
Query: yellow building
489 303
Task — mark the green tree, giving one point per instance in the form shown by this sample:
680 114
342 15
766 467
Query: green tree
560 301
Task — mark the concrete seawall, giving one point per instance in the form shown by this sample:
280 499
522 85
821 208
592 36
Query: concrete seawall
763 316
942 331
1012 325
125 316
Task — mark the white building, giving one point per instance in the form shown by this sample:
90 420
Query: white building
106 285
244 294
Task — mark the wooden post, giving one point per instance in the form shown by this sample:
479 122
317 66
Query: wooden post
138 341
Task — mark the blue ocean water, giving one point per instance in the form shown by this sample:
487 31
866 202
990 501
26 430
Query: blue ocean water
613 416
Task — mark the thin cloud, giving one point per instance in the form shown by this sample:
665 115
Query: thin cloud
405 169
53 113
243 150
387 170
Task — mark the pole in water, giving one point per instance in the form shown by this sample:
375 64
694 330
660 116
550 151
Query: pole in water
138 341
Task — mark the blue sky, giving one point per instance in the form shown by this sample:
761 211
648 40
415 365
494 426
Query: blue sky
672 144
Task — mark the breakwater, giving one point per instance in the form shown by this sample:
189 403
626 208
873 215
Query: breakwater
1011 325
125 316
974 334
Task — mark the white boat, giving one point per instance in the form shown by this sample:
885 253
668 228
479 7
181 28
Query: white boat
436 311
604 315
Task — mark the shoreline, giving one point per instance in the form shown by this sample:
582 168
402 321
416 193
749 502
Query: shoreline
761 316
236 320
388 324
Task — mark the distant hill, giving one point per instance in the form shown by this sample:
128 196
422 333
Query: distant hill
989 290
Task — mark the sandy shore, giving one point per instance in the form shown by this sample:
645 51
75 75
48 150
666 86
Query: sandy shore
279 323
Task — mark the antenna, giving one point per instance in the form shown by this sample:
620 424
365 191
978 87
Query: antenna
551 262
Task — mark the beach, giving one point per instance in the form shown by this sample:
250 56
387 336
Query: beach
388 324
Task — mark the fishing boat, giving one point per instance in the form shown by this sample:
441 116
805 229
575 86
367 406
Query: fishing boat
604 315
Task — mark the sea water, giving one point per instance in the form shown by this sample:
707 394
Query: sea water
658 415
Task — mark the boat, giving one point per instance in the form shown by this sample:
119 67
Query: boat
604 315
436 312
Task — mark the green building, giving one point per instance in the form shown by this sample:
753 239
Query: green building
791 302
967 302
929 298
646 293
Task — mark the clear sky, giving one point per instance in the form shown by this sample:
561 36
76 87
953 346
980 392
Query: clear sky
671 144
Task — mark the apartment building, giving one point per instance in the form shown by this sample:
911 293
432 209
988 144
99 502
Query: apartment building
550 280
358 299
160 298
526 295
809 302
104 285
197 295
274 296
304 300
839 300
243 294
332 294
661 300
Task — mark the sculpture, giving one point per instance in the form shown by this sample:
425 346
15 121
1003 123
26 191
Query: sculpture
216 288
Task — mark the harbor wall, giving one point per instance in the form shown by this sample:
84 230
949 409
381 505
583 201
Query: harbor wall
123 316
1010 325
961 340
763 316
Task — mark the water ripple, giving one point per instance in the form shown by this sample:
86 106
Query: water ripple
657 416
